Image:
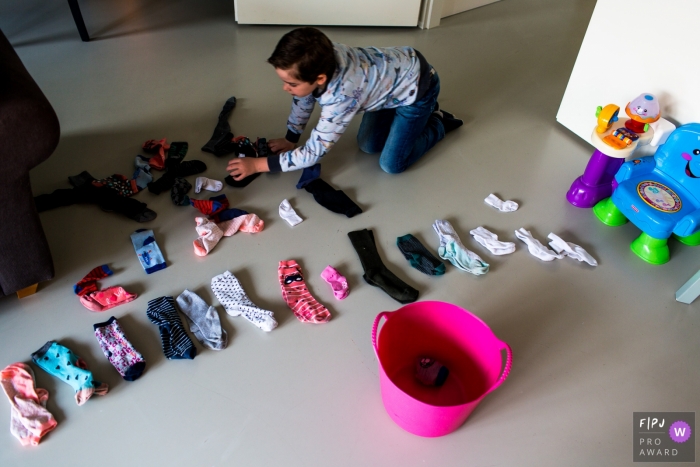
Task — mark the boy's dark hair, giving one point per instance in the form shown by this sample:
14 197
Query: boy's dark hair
307 48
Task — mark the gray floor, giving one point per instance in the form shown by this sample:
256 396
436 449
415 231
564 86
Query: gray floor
591 345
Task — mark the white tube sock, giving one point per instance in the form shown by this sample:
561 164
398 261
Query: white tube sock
489 240
288 213
535 247
571 250
204 183
503 206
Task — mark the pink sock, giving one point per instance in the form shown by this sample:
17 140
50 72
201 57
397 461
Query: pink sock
249 223
337 282
30 420
209 236
294 291
110 297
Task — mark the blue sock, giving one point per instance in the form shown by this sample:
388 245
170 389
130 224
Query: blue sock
228 214
60 362
308 175
147 250
176 343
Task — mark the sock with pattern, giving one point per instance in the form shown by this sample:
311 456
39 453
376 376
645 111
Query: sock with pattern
89 283
118 350
376 273
178 193
222 131
203 320
176 343
452 249
212 206
147 251
330 198
60 362
125 187
233 298
419 257
338 282
29 419
297 296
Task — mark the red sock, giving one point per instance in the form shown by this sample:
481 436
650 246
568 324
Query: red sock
159 147
89 283
294 291
212 206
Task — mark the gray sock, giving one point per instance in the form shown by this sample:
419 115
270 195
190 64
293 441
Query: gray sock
203 319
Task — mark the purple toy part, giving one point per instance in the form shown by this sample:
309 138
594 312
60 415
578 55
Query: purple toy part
596 183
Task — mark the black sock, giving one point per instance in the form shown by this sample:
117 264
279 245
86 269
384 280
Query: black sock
222 132
419 256
262 148
176 153
81 179
376 273
332 199
184 169
176 343
106 198
241 183
449 121
178 193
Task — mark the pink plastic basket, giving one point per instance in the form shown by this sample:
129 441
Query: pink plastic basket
451 335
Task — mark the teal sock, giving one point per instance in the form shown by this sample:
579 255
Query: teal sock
419 257
60 362
463 258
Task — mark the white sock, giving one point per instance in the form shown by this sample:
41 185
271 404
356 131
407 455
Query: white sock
489 240
287 213
451 249
209 236
236 303
204 183
503 206
535 247
571 250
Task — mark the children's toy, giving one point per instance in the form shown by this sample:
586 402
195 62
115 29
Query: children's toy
614 139
660 194
451 335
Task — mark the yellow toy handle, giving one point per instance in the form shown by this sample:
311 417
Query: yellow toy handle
606 117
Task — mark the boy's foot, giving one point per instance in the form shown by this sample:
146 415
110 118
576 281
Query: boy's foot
449 121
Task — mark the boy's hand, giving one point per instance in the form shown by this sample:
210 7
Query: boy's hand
279 145
243 167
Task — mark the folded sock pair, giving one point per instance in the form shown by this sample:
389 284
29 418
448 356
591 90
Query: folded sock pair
100 300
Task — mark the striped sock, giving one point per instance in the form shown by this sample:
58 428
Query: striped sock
89 283
294 291
419 256
212 206
176 343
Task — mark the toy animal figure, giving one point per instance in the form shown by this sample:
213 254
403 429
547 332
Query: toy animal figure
660 194
642 110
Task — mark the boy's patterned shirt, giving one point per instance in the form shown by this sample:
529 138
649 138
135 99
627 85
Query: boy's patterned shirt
365 80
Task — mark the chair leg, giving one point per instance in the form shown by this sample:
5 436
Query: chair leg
690 240
27 291
78 18
608 214
650 249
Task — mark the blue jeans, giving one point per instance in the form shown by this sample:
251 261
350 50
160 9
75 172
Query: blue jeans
402 134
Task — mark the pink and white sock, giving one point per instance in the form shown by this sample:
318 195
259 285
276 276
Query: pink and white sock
249 223
29 419
105 299
118 350
209 236
337 282
294 291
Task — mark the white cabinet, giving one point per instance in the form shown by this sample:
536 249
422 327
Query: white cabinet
329 13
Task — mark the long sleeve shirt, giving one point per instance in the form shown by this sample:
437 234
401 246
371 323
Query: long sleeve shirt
365 80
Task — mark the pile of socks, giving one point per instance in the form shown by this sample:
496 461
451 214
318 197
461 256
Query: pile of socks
176 169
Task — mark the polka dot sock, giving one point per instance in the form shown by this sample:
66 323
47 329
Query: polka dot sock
233 298
294 291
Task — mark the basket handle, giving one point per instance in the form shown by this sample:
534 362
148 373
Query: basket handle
384 314
506 370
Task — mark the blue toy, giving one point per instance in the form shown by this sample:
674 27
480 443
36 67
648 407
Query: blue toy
660 194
